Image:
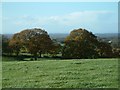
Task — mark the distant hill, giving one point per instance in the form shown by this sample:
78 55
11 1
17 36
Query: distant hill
8 35
58 35
101 35
107 35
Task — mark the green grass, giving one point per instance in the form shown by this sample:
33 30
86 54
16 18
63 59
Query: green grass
84 73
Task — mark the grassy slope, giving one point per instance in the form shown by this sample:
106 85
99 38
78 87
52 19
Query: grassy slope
94 73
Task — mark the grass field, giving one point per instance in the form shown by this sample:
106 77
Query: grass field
83 73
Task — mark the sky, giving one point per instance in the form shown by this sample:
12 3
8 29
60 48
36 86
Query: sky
60 17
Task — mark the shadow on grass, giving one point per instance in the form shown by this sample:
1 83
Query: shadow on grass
27 58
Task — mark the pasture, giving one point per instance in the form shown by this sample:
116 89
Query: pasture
74 73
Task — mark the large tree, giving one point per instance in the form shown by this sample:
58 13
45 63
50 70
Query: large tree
80 44
33 40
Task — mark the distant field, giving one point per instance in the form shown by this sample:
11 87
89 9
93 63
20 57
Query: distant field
84 73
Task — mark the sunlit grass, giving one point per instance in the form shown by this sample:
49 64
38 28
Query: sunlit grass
84 73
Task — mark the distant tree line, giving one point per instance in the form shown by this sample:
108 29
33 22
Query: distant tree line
80 43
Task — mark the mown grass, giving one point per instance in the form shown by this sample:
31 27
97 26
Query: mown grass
82 73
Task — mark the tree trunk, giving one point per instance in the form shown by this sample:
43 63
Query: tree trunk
40 53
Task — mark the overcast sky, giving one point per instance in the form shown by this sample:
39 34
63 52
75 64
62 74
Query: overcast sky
60 17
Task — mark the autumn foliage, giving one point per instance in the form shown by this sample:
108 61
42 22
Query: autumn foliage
79 44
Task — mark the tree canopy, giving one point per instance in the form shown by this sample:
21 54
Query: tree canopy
80 44
34 40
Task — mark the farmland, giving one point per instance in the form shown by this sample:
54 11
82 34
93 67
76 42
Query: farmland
51 73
